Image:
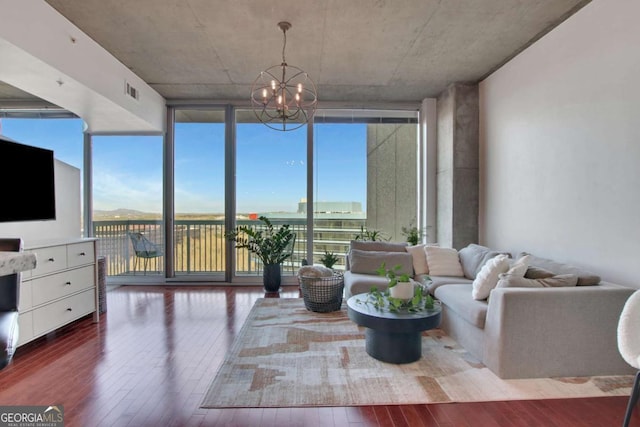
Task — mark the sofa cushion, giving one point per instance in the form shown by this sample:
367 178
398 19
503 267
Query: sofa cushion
585 278
443 261
355 283
534 272
368 245
513 281
437 281
473 257
520 266
487 277
419 255
458 299
368 262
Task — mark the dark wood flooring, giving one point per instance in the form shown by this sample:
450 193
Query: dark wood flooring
151 358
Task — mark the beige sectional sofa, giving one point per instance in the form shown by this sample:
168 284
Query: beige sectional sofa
546 319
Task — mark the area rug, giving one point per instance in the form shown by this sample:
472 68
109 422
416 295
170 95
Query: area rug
287 356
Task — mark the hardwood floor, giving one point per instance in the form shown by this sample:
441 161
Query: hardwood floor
156 349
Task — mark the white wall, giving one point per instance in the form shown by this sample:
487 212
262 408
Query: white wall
560 145
68 220
44 54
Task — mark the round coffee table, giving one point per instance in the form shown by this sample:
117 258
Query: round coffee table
392 337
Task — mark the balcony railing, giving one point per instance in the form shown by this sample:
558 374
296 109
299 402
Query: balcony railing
199 245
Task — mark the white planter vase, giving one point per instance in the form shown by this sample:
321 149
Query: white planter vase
402 290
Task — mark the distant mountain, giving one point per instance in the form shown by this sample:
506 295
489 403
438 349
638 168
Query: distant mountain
120 213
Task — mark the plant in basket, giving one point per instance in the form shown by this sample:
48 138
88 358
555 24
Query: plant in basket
329 259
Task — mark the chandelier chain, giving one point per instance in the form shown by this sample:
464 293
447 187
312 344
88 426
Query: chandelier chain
284 45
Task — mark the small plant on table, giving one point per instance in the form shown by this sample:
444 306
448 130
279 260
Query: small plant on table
382 300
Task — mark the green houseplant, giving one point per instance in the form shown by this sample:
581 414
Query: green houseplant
272 246
329 259
412 233
371 235
384 300
400 285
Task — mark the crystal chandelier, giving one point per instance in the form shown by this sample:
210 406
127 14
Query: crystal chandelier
284 97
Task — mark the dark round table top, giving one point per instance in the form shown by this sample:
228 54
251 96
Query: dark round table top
383 320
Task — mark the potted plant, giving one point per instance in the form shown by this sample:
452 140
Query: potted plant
329 259
412 233
400 285
270 245
415 300
371 235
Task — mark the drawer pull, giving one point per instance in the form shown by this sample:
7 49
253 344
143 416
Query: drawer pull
51 259
69 309
82 254
68 284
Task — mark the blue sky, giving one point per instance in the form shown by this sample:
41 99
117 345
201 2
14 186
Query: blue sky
270 174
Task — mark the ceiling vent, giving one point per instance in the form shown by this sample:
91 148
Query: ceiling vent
132 91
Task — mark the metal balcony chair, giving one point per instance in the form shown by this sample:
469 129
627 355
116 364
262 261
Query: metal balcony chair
145 249
289 249
629 346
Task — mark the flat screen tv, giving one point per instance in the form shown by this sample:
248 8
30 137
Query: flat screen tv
28 184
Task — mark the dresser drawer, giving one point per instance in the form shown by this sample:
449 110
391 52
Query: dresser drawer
25 327
49 259
56 314
25 296
56 286
80 254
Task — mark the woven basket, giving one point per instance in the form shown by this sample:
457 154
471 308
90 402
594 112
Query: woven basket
322 294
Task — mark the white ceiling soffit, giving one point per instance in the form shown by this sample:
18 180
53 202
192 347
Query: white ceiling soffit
44 54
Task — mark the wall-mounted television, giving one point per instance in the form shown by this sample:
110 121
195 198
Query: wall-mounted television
27 179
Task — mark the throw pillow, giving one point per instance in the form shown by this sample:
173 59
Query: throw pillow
419 255
443 261
520 267
534 272
368 262
507 280
370 245
487 277
473 257
513 281
585 278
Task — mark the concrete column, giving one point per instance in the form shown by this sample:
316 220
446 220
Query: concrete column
458 168
391 178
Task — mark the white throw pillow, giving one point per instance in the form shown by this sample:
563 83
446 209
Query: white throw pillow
419 255
519 267
487 277
443 261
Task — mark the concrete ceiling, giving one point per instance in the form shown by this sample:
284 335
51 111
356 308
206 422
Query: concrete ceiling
357 51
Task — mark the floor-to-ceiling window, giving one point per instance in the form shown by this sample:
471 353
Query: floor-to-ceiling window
128 200
339 187
365 174
270 181
199 192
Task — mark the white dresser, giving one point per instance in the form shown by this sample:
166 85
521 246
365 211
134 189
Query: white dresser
62 288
